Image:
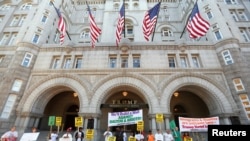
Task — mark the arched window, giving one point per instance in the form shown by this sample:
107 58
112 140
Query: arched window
129 29
85 36
166 32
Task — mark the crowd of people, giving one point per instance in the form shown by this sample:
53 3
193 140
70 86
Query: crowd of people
120 135
167 135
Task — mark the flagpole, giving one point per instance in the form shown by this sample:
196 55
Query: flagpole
59 17
156 21
124 19
187 20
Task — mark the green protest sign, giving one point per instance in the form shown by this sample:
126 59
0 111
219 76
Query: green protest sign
51 120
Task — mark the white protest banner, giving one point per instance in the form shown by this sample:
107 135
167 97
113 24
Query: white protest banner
29 136
196 124
124 118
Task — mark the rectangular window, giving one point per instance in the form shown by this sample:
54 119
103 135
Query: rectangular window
5 39
130 30
183 60
67 63
209 15
35 38
124 61
246 104
8 107
56 62
44 19
78 62
238 84
27 59
112 61
171 62
243 32
17 85
218 35
195 60
227 57
12 39
56 37
136 61
22 20
15 21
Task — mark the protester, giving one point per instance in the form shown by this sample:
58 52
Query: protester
11 135
158 135
139 136
150 136
67 135
177 134
53 135
107 134
79 136
168 136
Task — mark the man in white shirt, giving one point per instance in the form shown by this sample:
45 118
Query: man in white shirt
158 135
139 136
168 136
107 134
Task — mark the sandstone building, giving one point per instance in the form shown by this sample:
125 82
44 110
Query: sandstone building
204 77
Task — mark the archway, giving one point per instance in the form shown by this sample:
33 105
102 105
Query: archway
121 101
187 104
65 105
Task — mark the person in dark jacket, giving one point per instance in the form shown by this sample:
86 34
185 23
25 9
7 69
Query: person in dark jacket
79 136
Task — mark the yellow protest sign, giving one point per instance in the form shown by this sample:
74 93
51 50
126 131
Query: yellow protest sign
58 121
131 139
188 139
90 133
159 117
112 138
78 121
140 125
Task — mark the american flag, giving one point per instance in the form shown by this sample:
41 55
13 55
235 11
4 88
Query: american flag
120 25
150 20
95 31
61 25
197 26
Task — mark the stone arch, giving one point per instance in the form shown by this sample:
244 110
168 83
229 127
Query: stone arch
143 88
58 83
218 101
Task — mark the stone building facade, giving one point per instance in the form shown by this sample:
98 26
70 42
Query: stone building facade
174 76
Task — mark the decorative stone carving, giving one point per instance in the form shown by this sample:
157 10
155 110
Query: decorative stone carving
124 45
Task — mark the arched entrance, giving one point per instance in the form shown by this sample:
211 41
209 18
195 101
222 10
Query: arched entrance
187 104
121 101
64 104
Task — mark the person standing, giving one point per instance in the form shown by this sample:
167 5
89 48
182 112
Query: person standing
150 136
158 135
177 134
11 135
68 135
139 136
53 135
107 134
168 136
79 135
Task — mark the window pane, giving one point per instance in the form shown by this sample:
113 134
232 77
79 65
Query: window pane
78 63
136 62
171 61
124 63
